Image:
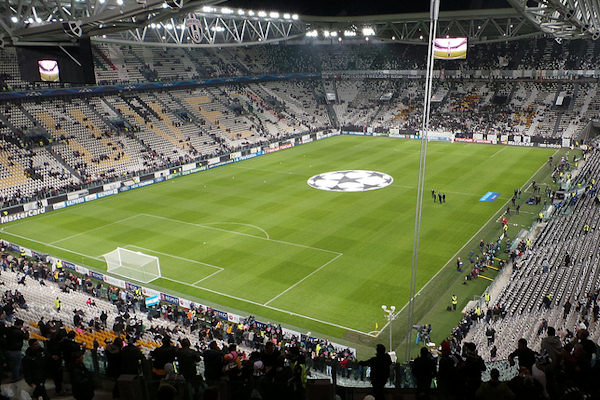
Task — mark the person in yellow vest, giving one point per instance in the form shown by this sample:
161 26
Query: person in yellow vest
22 253
487 298
478 312
586 229
454 302
505 228
57 304
540 216
58 265
528 243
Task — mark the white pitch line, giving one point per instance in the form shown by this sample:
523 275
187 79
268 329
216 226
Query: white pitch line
176 257
53 246
499 151
465 245
241 223
243 234
206 277
272 308
93 229
303 279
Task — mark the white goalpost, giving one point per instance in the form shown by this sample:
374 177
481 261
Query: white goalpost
133 264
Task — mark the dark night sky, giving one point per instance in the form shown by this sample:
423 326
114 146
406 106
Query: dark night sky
362 7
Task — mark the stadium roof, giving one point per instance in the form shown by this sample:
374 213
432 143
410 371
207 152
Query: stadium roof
208 23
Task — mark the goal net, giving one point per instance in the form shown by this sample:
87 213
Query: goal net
133 264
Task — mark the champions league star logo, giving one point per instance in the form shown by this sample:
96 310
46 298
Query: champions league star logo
350 181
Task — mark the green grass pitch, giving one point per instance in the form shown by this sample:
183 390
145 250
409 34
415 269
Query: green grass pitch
254 237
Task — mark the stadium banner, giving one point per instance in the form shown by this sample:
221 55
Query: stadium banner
150 292
504 139
169 299
213 160
218 313
111 186
235 155
234 318
256 150
7 216
188 167
96 275
68 265
249 156
132 287
466 140
77 194
492 138
114 281
91 197
185 303
164 172
81 270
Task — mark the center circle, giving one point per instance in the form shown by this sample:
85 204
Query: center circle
354 180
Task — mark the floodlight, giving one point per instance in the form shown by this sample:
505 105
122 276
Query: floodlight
287 16
368 31
274 14
14 19
262 14
349 33
333 34
226 10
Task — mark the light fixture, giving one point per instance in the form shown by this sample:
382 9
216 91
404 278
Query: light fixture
14 19
368 31
287 16
294 16
274 14
349 33
333 34
262 14
312 33
241 12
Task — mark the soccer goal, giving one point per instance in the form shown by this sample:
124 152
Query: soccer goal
133 264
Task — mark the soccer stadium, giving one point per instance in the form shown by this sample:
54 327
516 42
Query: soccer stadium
211 199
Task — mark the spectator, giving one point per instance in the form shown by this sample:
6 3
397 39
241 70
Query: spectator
35 369
525 355
15 336
380 370
81 379
423 369
494 389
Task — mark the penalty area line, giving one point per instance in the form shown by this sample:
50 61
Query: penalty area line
271 307
303 279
